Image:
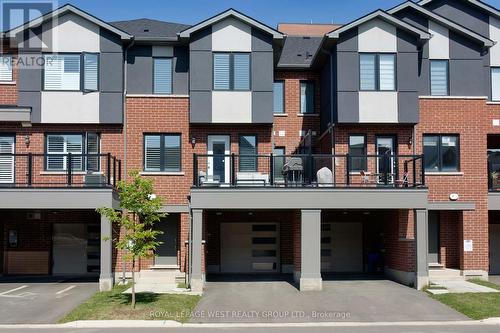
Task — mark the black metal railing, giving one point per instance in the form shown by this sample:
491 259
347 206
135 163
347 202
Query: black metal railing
59 170
308 170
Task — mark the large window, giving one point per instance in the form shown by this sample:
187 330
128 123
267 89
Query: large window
162 76
65 72
248 152
58 146
439 78
442 153
495 84
5 68
231 71
306 97
377 72
279 97
162 152
357 148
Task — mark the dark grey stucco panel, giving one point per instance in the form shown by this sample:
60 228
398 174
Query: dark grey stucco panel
30 77
181 71
424 80
463 48
110 42
348 41
200 105
467 78
261 41
326 95
200 70
262 71
262 107
110 108
347 71
140 70
111 72
407 71
32 99
348 107
202 40
414 18
406 42
408 108
163 51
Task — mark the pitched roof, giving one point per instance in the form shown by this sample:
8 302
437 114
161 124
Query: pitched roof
443 21
150 29
490 9
306 29
231 13
385 17
299 51
61 11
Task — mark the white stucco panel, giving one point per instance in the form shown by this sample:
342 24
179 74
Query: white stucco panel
231 107
495 36
231 35
63 107
377 36
439 44
378 107
71 33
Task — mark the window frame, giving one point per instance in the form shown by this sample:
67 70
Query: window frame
448 83
231 70
491 85
11 56
240 136
171 76
313 98
162 152
283 97
377 71
439 151
365 146
84 151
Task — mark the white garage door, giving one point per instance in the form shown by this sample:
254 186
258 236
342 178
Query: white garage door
249 247
342 247
494 248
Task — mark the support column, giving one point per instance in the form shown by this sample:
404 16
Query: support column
310 257
421 249
106 279
197 280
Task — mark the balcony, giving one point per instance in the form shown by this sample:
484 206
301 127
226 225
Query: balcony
309 171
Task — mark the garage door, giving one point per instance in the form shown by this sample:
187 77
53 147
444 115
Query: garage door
494 248
342 247
249 247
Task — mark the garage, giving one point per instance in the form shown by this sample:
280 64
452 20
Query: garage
249 247
494 244
342 247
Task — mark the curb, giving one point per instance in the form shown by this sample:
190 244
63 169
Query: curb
173 324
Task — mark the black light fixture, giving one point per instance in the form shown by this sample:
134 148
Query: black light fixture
27 140
193 141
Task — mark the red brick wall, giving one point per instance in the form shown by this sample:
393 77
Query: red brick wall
8 90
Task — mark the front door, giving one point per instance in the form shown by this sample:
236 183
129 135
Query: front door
218 160
6 161
166 253
494 248
386 149
433 257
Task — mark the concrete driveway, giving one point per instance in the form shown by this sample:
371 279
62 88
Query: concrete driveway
41 300
349 300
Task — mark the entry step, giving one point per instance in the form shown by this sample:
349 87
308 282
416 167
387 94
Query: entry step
445 274
436 265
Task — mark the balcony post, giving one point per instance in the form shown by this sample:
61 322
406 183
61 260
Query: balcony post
421 249
70 168
106 279
114 171
30 169
271 169
233 168
196 177
347 168
119 170
422 163
197 278
108 171
414 162
387 162
310 250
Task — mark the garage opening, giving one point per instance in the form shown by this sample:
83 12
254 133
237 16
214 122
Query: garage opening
494 242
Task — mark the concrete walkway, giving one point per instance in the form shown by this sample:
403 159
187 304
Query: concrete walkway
340 301
465 287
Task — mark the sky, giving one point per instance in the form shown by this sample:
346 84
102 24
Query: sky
270 12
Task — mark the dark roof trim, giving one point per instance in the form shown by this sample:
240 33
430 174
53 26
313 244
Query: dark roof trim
443 21
490 9
228 13
63 10
385 17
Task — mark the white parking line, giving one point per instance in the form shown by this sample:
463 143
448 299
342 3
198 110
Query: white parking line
65 290
12 290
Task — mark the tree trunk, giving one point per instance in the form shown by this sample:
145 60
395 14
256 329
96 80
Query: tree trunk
133 283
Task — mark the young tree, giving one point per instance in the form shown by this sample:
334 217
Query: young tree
140 211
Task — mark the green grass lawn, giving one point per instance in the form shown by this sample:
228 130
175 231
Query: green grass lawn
474 305
114 305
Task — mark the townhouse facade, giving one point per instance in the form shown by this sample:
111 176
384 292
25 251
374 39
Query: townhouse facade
309 150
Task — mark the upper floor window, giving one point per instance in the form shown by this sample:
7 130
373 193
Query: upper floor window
439 78
65 72
248 152
5 68
58 146
162 152
306 97
231 71
495 84
279 97
357 148
377 72
441 153
162 75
